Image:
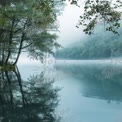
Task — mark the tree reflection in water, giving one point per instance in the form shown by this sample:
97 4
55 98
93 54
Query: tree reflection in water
97 81
34 100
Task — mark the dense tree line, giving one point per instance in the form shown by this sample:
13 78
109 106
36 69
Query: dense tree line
103 45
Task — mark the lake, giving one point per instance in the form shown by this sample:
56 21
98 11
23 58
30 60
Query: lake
91 90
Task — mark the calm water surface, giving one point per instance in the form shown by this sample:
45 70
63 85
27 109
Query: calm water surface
91 91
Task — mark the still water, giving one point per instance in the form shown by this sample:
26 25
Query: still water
91 91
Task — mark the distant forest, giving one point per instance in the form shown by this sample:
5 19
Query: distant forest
98 46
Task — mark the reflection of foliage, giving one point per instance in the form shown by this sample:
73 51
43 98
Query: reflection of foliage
99 81
27 101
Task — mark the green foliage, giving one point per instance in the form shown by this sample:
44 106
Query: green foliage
42 44
104 45
99 11
28 23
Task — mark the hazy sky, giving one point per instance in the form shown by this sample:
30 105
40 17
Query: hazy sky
68 21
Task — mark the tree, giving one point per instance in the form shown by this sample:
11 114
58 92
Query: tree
25 25
97 11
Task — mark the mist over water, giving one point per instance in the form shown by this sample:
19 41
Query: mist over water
92 91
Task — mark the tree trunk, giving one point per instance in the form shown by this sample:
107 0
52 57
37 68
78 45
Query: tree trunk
20 84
